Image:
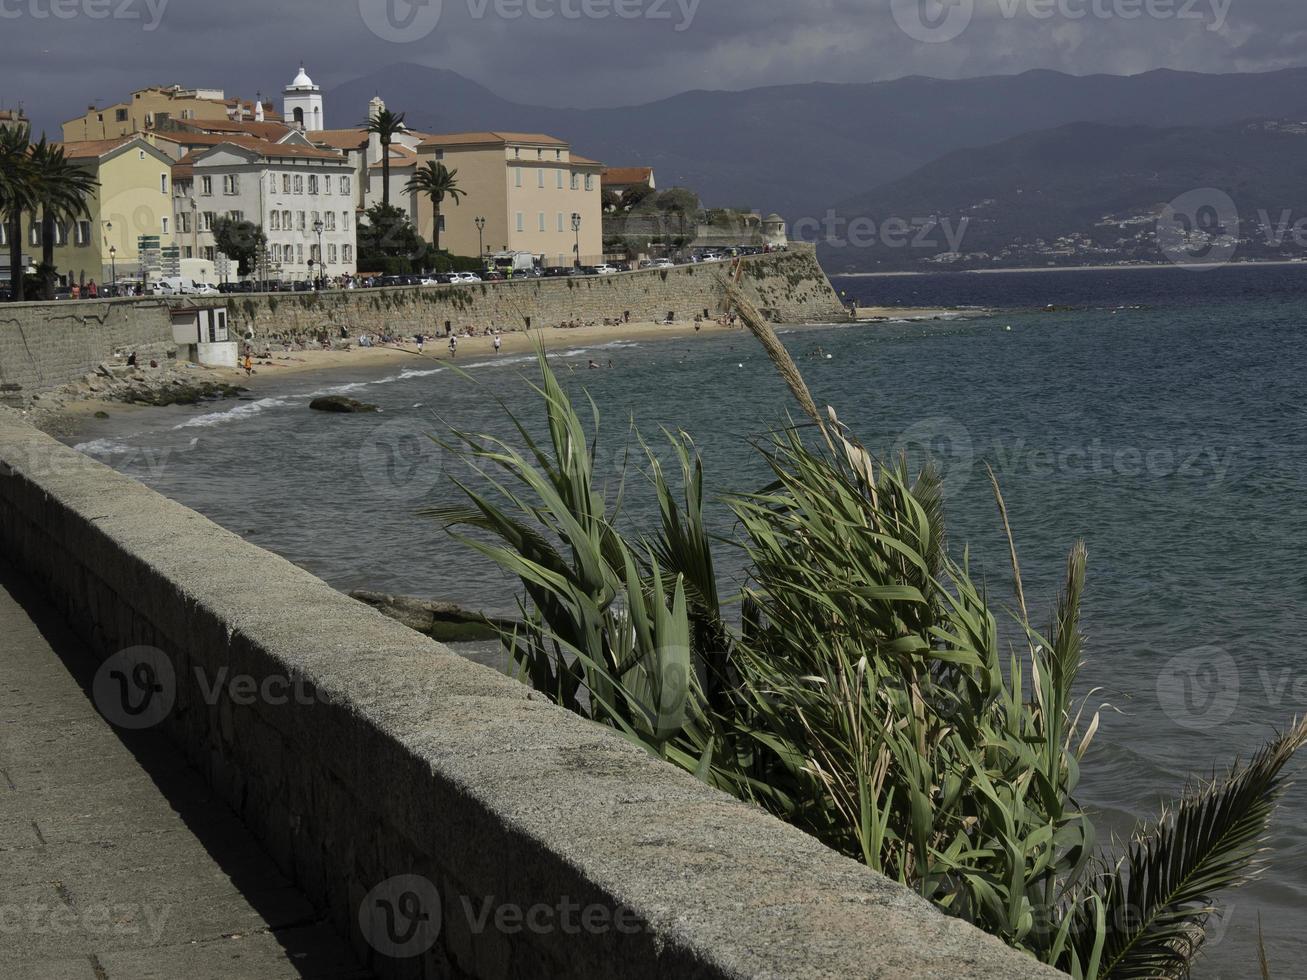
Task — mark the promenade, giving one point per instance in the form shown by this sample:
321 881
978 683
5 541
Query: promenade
116 861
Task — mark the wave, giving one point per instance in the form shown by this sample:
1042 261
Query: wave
236 414
103 447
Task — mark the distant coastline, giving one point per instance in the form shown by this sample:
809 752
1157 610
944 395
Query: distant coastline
1066 268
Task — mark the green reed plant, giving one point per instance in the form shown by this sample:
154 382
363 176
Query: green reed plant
860 691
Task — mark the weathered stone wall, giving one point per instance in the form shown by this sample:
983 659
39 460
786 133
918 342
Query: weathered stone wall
534 843
44 345
788 286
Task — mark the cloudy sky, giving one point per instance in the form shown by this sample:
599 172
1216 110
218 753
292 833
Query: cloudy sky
58 56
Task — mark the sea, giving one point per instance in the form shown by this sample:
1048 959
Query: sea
1158 415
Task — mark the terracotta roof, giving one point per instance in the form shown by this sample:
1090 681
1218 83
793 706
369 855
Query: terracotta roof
263 130
93 149
457 139
628 175
275 151
585 161
341 139
400 156
213 139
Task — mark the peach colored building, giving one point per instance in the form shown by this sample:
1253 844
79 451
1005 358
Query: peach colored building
527 187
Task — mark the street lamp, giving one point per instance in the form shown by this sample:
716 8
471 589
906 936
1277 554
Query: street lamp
113 265
317 226
481 238
576 229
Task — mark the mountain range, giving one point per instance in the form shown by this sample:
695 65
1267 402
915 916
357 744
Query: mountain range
804 149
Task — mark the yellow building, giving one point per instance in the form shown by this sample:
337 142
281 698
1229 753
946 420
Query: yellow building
526 186
134 199
154 108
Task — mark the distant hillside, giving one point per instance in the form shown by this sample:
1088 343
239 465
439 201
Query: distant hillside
1083 193
800 149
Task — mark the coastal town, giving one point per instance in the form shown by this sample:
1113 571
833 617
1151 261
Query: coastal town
190 191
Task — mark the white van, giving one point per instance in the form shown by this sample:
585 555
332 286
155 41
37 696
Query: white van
176 286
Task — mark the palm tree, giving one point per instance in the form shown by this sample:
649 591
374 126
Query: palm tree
16 196
387 125
436 182
60 191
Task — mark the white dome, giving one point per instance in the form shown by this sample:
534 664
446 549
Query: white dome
302 80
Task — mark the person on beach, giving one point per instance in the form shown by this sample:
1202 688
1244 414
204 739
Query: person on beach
249 363
421 341
92 290
453 345
498 342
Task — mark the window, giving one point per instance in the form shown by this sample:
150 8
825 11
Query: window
206 221
331 254
272 183
60 233
344 185
521 221
574 182
231 184
236 215
316 218
285 221
183 221
120 115
206 186
188 252
517 171
299 183
344 220
329 220
313 183
517 152
543 226
558 154
34 236
285 183
313 254
210 253
326 184
83 233
562 222
440 154
347 253
540 154
540 178
559 175
299 254
163 183
589 182
163 225
274 221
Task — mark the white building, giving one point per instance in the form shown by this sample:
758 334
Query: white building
285 188
302 104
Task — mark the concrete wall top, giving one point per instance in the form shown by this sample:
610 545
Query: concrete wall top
409 759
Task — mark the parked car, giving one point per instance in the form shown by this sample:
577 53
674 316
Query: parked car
493 275
661 264
557 271
466 277
603 270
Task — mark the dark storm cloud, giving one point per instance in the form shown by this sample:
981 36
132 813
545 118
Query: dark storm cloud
57 56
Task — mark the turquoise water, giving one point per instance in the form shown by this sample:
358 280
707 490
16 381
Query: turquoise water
1169 435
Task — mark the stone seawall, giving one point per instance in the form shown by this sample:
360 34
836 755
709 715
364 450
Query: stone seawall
787 286
450 822
45 345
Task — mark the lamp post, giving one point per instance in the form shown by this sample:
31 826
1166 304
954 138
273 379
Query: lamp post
576 229
113 266
481 237
317 226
